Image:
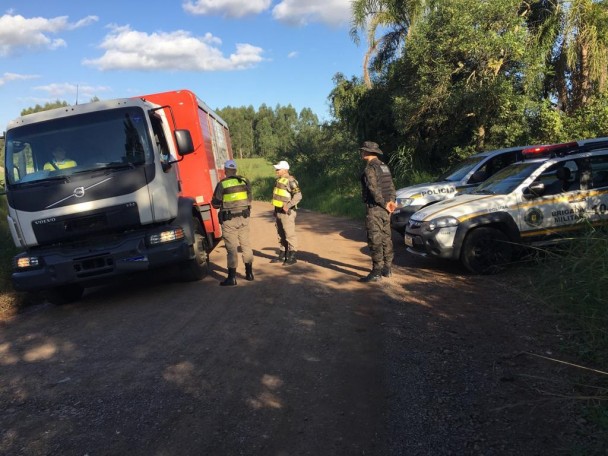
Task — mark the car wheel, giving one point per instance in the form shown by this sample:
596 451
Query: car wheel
486 251
197 267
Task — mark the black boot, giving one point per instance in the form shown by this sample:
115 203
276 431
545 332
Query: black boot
386 271
290 259
280 258
373 276
231 279
249 271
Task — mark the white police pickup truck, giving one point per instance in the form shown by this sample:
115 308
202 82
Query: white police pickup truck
556 190
464 175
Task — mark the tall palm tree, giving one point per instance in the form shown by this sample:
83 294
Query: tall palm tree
396 16
574 34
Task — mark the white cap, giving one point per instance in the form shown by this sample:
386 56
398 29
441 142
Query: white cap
230 164
281 165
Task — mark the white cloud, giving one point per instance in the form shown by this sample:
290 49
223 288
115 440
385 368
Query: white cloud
302 12
8 77
127 49
293 54
18 32
229 8
62 90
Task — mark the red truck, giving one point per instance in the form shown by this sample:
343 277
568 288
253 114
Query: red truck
131 191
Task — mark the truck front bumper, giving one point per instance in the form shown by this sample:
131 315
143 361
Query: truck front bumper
97 263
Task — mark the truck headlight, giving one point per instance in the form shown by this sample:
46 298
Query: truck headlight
26 262
441 222
403 202
168 235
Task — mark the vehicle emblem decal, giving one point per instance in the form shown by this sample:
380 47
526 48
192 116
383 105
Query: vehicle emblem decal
78 192
534 217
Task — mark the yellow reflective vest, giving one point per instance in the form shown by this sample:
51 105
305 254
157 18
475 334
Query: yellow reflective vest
281 193
235 194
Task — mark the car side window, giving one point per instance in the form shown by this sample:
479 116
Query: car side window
493 165
599 171
560 177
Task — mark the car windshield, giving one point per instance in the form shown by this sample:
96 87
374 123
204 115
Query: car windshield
508 179
77 144
461 169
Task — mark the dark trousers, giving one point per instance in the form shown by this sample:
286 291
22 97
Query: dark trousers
379 240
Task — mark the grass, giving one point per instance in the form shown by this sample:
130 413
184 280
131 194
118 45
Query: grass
573 282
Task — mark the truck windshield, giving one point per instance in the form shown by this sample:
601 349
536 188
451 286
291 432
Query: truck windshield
460 170
508 179
76 144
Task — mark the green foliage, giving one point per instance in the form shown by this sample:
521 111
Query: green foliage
7 249
574 283
45 107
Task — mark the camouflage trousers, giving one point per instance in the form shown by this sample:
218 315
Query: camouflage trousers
379 240
236 232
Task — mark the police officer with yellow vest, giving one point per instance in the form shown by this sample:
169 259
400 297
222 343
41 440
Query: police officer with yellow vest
285 197
232 196
379 195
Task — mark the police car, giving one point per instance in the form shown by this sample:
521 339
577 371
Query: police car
555 191
466 174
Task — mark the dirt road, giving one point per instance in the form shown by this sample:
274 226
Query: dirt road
305 360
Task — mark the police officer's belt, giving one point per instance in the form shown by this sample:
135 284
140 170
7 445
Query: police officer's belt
229 215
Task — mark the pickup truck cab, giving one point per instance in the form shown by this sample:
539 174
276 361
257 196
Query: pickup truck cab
558 190
463 176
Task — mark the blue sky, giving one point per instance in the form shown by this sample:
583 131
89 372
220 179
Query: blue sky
229 52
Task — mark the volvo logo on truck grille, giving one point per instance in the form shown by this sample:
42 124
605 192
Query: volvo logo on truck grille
77 193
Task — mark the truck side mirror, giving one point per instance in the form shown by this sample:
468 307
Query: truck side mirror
183 139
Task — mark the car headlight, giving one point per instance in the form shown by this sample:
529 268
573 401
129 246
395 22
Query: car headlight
403 202
442 222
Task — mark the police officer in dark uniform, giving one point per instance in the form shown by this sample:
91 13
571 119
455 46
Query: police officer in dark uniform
379 195
232 196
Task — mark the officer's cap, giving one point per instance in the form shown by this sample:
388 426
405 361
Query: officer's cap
230 164
371 147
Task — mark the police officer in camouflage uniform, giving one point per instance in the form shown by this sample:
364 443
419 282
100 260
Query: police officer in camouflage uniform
232 196
379 195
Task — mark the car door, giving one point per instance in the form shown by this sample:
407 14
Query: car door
597 199
562 206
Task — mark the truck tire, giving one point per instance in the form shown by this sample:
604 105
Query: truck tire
486 251
65 294
198 267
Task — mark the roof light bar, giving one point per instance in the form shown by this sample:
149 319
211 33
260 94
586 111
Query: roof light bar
550 150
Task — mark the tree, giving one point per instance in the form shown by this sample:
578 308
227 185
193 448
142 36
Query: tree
573 35
47 106
396 16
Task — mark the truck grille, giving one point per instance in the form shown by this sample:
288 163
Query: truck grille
75 227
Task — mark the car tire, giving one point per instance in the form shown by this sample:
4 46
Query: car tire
197 267
486 251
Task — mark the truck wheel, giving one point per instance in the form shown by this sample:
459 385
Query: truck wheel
198 267
65 294
486 251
